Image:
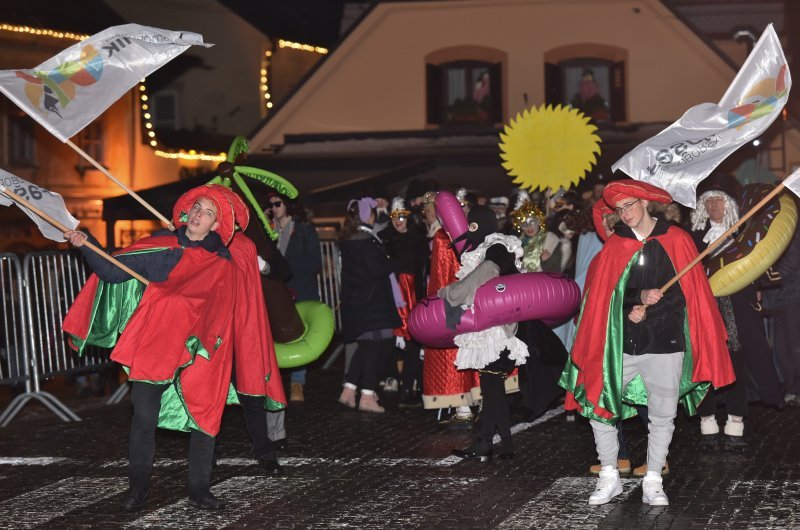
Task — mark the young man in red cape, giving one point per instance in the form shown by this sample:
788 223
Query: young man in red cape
635 346
179 333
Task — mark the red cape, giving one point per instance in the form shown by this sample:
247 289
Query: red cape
253 348
178 332
596 395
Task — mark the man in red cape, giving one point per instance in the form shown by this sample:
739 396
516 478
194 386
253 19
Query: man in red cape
179 333
635 346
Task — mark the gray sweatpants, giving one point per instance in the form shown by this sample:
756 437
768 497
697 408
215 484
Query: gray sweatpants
276 428
661 374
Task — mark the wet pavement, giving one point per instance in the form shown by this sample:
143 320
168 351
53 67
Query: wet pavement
351 469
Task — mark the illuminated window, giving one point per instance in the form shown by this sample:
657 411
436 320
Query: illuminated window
593 85
464 92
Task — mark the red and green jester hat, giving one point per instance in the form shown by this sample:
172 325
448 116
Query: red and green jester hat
592 376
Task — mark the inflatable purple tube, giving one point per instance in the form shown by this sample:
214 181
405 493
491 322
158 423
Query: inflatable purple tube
550 297
452 216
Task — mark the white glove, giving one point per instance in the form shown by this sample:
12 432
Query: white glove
400 342
263 266
422 354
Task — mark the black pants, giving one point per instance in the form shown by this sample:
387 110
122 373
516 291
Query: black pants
494 412
146 400
255 418
412 366
368 362
734 396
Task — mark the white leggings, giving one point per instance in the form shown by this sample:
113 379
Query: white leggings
661 374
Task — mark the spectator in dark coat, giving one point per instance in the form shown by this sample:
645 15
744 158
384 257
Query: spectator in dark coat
299 244
369 304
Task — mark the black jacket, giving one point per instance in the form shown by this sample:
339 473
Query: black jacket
367 300
662 331
410 251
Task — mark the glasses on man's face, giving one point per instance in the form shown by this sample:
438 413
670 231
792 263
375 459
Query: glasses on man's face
276 204
626 207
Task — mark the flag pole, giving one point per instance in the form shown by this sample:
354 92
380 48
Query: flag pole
16 198
116 181
717 242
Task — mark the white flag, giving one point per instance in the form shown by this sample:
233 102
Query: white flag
792 182
687 151
68 91
49 202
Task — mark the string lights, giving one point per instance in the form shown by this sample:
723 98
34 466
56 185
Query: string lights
303 47
46 32
147 122
264 85
266 60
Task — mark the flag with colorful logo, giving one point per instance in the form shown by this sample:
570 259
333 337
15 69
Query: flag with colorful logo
686 152
47 201
68 91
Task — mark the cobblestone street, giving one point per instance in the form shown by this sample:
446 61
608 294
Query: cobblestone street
350 469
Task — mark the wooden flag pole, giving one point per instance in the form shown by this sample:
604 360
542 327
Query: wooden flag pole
40 213
116 181
717 242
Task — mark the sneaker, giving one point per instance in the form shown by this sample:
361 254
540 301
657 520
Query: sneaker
369 403
608 486
296 394
653 491
623 466
642 470
391 385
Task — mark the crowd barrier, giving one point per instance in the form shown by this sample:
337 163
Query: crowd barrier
36 294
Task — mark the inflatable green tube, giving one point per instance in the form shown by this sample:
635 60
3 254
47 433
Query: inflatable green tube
318 321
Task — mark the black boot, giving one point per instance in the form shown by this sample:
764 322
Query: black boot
507 449
205 500
480 450
201 458
408 400
708 443
734 444
134 500
271 467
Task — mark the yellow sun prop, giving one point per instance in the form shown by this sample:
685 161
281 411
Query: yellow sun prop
549 147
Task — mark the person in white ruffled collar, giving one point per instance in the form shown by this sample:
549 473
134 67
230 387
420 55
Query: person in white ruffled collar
494 351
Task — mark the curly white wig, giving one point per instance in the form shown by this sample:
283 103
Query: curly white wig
700 215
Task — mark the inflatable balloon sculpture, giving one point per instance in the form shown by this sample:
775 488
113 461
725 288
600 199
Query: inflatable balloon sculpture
549 297
303 330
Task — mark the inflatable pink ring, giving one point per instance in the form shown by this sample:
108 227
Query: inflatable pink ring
550 297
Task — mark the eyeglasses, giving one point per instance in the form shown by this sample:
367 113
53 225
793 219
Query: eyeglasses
276 204
626 207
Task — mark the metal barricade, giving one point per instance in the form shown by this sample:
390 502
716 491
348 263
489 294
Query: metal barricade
13 329
330 284
329 280
51 281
